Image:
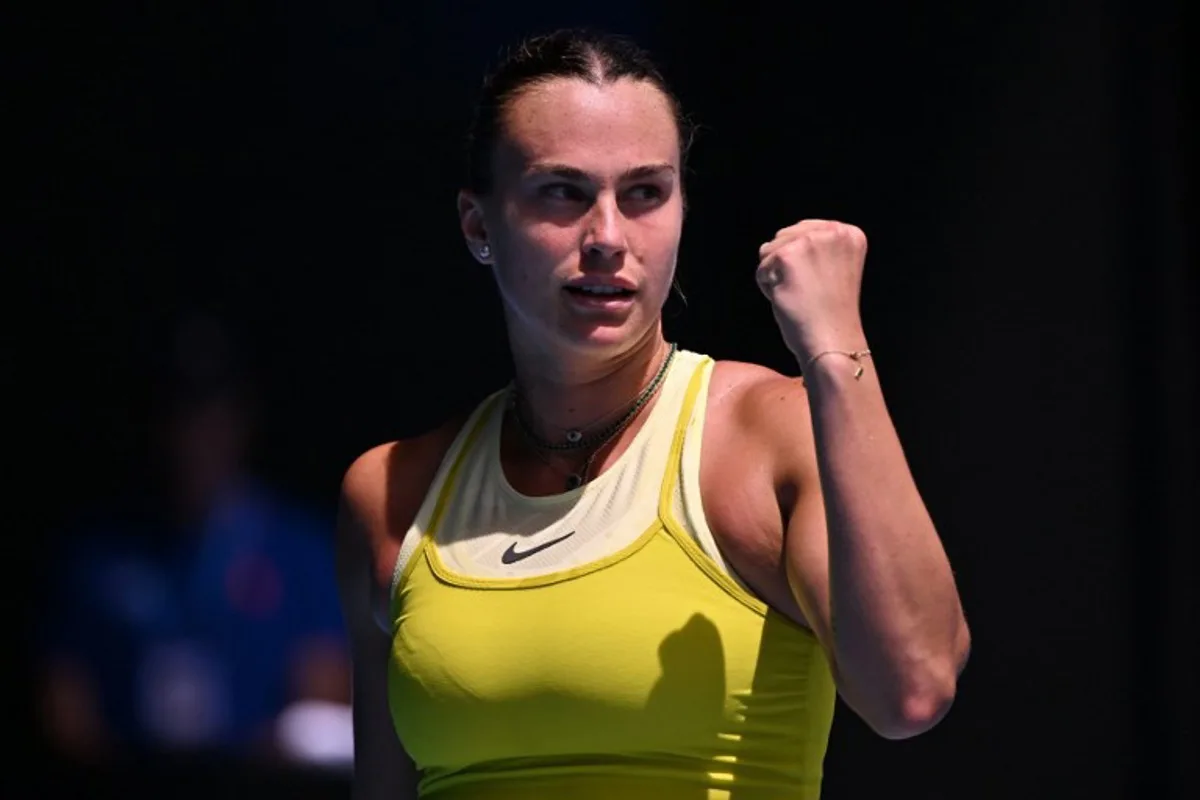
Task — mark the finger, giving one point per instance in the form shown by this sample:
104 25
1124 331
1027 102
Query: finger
781 240
805 225
789 234
768 278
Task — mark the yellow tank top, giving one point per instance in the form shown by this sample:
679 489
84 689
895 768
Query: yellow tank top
593 644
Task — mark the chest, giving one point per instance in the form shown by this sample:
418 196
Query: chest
643 655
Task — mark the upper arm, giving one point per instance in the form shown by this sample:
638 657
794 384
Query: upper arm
775 417
382 769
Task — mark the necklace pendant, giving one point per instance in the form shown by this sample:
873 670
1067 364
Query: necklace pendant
574 436
574 481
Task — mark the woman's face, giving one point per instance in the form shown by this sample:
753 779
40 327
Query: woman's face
584 221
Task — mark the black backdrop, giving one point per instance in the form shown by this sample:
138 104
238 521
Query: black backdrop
1021 171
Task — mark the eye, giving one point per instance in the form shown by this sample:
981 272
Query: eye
646 193
562 191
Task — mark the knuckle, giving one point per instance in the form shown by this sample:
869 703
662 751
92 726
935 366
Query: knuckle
854 235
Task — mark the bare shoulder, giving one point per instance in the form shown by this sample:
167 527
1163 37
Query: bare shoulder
382 491
750 399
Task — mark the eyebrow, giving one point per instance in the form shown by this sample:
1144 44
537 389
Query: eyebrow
576 174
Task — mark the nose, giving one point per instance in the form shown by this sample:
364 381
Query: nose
605 235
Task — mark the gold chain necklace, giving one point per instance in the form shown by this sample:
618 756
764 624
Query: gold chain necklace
599 440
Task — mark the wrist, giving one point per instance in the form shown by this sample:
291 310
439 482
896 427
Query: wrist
808 344
835 363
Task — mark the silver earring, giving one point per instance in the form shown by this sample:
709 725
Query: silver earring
485 251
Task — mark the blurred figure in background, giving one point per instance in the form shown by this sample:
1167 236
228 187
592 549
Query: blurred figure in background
207 621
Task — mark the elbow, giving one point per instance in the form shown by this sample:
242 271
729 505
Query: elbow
915 713
926 703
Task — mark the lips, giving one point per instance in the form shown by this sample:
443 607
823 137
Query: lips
606 298
608 286
600 291
600 294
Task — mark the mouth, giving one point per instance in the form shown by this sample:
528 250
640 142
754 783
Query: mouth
601 297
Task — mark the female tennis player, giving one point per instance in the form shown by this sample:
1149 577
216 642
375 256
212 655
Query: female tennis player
636 571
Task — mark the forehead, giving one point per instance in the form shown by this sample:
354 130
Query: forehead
597 128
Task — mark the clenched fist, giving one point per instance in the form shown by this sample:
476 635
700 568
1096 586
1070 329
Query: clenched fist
811 273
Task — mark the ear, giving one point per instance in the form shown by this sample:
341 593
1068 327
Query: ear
474 230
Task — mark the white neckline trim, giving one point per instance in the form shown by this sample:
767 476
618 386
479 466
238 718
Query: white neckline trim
495 466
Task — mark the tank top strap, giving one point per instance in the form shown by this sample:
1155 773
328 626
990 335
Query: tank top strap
670 475
669 492
433 508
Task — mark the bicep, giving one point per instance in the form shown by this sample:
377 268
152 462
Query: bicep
382 769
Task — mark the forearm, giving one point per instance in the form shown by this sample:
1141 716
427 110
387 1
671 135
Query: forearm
899 637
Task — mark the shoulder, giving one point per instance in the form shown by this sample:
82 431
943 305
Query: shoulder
382 491
365 482
761 413
757 398
389 473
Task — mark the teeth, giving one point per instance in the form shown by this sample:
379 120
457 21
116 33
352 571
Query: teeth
601 289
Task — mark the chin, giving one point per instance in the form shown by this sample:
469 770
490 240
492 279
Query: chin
592 334
605 338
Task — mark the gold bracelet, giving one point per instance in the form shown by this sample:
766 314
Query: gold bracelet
856 355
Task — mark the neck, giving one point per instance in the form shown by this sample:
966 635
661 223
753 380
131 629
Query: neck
561 392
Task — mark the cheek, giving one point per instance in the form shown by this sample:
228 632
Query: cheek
526 257
662 252
546 242
530 237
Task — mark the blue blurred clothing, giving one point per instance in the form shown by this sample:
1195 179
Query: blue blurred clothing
190 635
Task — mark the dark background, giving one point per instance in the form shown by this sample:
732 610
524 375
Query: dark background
1021 169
